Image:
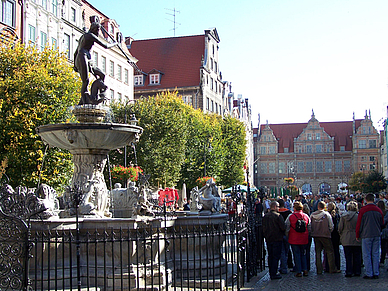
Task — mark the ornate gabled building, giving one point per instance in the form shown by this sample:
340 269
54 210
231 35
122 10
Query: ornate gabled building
187 64
320 156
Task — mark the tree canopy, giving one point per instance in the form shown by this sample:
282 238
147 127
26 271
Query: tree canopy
181 144
36 88
373 182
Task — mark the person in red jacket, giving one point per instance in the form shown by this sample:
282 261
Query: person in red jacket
298 240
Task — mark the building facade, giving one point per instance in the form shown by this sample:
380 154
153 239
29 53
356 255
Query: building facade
60 24
188 65
320 157
10 20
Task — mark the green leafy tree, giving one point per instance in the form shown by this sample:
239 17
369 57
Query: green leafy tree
234 145
356 181
161 149
36 88
375 182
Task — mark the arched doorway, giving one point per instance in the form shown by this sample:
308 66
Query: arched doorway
307 189
324 188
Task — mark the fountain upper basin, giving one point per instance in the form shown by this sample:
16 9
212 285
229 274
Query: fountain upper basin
86 137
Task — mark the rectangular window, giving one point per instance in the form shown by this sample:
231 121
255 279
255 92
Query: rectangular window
328 166
44 4
309 148
43 40
8 11
372 144
309 167
342 148
126 78
262 150
371 159
138 80
271 150
301 167
318 148
212 107
111 68
95 59
318 135
54 43
319 166
282 168
67 45
154 79
286 150
119 73
347 166
119 97
112 95
263 168
309 136
338 166
31 34
362 144
271 168
72 14
54 7
103 64
207 103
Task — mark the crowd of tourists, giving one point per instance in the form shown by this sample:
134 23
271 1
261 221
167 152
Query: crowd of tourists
357 222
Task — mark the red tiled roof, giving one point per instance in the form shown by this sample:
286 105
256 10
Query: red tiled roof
342 132
178 58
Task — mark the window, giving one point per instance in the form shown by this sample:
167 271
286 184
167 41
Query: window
362 144
126 76
211 84
318 148
31 34
372 159
282 168
212 106
95 59
347 166
319 166
119 97
372 144
7 11
338 166
309 136
328 166
271 168
215 66
67 45
263 168
112 95
54 7
300 167
154 79
111 29
271 150
138 80
262 150
44 4
54 43
103 64
119 73
207 103
220 109
43 40
309 148
309 167
72 14
111 68
342 148
318 135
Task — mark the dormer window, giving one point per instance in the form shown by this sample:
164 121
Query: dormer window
138 81
154 79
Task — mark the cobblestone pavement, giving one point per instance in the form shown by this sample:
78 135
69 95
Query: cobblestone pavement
325 281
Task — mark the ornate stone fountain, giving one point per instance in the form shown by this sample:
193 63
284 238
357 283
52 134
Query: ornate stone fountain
90 142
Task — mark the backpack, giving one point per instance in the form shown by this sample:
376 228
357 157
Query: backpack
300 225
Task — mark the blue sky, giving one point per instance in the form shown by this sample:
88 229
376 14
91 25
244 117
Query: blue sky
286 56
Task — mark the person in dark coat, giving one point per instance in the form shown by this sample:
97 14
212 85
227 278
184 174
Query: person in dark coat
274 231
284 212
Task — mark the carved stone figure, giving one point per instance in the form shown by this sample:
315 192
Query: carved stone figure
209 197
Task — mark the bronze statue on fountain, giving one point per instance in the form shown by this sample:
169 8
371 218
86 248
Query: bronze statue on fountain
83 65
